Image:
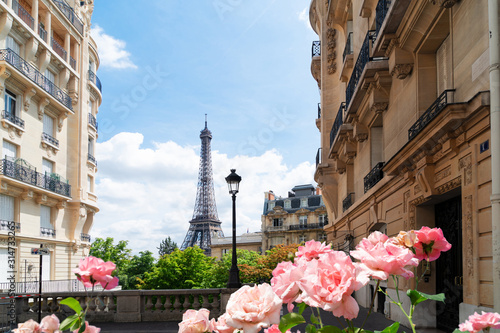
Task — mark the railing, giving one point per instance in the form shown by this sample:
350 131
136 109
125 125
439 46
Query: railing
374 176
91 158
70 14
318 157
92 121
93 78
380 14
59 49
339 120
363 59
319 110
13 118
316 48
47 232
49 139
277 228
346 246
306 226
34 75
31 176
23 14
7 225
49 286
85 237
348 201
42 32
436 107
72 62
348 47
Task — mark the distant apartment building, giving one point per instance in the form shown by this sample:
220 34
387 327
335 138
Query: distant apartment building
251 241
297 218
50 96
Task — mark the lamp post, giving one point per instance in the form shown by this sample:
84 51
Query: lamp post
233 183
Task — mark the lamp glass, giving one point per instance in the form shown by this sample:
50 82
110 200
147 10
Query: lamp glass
233 182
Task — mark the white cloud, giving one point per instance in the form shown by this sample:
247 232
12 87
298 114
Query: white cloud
112 51
304 17
147 194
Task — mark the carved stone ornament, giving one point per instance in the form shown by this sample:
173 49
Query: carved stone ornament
444 3
469 246
28 94
402 71
379 107
332 50
465 163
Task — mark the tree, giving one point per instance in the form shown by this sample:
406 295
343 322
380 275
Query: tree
139 265
119 254
167 246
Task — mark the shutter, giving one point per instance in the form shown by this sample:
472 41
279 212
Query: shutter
46 267
443 66
4 257
6 207
13 45
377 145
9 150
48 125
45 217
47 167
49 75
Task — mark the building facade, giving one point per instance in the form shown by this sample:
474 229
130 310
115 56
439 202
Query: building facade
50 96
249 241
296 219
404 118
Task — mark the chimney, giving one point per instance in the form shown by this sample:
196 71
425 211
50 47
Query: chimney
269 195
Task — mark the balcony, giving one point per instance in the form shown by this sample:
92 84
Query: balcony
375 175
85 237
70 15
59 49
92 121
34 75
21 170
47 232
306 226
318 157
91 159
348 201
72 62
276 228
316 61
436 107
337 123
380 14
316 49
94 79
319 110
348 49
13 119
46 138
42 32
10 226
23 14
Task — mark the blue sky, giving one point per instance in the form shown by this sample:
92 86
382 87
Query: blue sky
164 64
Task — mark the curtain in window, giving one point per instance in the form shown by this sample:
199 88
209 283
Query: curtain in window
46 267
48 125
45 217
6 207
9 150
13 45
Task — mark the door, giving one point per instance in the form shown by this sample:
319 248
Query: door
449 265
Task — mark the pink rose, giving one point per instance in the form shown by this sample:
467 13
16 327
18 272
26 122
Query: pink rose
89 329
407 239
275 329
29 326
196 322
251 308
312 250
431 243
92 270
381 257
285 282
478 322
49 324
221 326
329 283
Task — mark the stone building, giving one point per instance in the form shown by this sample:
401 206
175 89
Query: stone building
50 96
250 241
297 218
404 118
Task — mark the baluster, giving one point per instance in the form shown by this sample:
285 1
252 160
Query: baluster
112 304
93 305
168 304
83 303
149 303
45 305
186 304
158 304
100 304
177 304
25 306
54 306
196 302
205 302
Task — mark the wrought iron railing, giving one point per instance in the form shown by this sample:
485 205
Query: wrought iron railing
72 62
7 225
348 201
42 32
374 176
306 226
346 246
318 157
319 110
23 14
380 14
13 118
92 121
11 168
436 107
363 59
70 14
59 49
93 78
348 47
91 158
50 139
339 120
85 237
276 228
316 48
34 75
47 232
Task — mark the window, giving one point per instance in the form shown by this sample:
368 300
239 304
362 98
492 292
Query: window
50 76
90 184
45 218
91 66
91 107
322 237
271 205
10 103
47 167
46 265
277 222
224 251
323 219
6 208
48 125
303 202
288 204
302 238
303 221
9 150
13 45
91 146
377 145
4 260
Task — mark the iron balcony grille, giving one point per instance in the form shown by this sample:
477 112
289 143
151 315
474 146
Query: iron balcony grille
49 139
337 123
319 110
70 14
30 176
380 14
348 47
316 48
92 121
23 14
318 157
348 201
6 225
13 118
92 159
93 78
374 176
306 226
72 62
59 49
34 75
363 59
436 107
47 232
85 237
42 32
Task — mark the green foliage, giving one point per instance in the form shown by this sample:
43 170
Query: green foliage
289 321
76 321
137 267
417 297
391 329
167 246
119 254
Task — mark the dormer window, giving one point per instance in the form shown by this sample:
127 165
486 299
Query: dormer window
303 202
271 205
288 204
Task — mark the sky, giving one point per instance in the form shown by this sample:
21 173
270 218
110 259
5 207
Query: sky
164 64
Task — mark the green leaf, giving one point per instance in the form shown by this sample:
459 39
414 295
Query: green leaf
330 329
76 325
68 322
72 304
302 307
437 297
314 319
290 320
417 297
82 329
391 329
310 329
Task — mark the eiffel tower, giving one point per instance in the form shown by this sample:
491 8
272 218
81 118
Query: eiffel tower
205 223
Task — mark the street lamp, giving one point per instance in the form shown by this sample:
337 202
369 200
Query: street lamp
233 183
